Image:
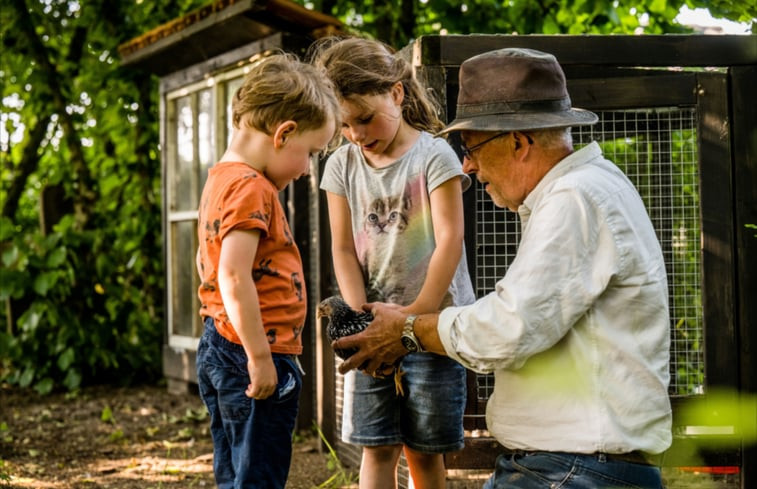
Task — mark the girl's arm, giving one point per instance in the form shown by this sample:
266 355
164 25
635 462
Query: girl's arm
240 299
349 276
449 229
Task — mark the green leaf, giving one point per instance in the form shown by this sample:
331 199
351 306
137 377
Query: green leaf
30 319
44 282
72 380
44 386
56 258
658 6
66 359
26 377
10 255
550 26
6 228
106 416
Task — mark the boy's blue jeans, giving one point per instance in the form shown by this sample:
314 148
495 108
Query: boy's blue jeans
252 439
553 470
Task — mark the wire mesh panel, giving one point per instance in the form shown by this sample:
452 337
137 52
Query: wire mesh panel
657 150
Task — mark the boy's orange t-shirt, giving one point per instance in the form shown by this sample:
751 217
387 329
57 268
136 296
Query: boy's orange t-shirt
237 197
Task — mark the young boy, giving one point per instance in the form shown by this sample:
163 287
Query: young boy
253 292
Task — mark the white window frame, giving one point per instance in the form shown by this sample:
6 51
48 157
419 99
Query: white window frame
220 131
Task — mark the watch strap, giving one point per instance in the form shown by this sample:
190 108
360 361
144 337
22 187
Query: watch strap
409 331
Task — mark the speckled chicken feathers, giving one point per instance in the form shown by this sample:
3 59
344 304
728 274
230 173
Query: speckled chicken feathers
343 321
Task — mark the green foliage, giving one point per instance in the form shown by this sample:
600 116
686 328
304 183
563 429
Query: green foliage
388 20
86 317
340 476
82 299
5 477
106 415
729 9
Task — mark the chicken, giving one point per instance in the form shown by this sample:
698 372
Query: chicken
345 321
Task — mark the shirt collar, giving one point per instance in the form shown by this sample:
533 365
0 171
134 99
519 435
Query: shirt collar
567 164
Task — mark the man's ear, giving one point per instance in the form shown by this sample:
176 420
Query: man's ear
523 143
283 132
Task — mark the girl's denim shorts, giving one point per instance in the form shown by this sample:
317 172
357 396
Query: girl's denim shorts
427 419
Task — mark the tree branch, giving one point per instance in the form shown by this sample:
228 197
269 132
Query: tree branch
26 166
52 79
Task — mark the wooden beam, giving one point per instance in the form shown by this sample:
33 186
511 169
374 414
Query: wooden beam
598 50
744 127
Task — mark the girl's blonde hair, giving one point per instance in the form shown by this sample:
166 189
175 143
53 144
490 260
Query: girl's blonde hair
281 88
359 66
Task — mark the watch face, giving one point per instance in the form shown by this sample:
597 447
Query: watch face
409 344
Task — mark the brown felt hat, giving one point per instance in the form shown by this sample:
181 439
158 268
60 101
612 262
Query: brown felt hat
514 89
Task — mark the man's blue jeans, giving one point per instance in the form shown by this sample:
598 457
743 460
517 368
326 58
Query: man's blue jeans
554 470
252 439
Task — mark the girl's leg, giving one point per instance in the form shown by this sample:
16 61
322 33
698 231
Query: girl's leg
426 469
432 415
371 419
378 469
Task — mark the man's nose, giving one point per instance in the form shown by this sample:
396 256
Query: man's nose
468 165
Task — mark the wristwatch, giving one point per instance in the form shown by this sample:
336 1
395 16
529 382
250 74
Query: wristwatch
409 340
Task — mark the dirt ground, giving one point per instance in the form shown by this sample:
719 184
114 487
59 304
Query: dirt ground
148 438
123 438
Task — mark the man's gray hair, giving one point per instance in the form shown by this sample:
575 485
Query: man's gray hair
553 138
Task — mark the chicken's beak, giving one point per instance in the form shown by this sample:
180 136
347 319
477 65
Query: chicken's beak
321 310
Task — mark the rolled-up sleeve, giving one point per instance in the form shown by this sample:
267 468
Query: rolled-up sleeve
475 336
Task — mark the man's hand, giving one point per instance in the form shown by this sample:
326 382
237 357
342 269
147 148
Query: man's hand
379 344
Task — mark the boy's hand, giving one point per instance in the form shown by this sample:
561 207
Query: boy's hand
263 378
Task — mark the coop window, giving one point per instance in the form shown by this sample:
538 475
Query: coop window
198 128
657 150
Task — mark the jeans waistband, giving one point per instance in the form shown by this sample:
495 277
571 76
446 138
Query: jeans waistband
634 457
218 340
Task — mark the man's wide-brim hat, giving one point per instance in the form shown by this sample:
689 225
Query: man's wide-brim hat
514 89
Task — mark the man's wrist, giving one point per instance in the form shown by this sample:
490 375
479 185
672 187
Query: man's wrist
409 339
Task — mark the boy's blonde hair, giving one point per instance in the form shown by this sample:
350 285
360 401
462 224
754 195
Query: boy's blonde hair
281 88
359 66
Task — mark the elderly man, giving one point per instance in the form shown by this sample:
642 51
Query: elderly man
577 331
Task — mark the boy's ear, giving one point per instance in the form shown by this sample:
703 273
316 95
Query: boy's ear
283 132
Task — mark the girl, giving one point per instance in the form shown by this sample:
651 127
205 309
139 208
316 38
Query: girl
396 215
